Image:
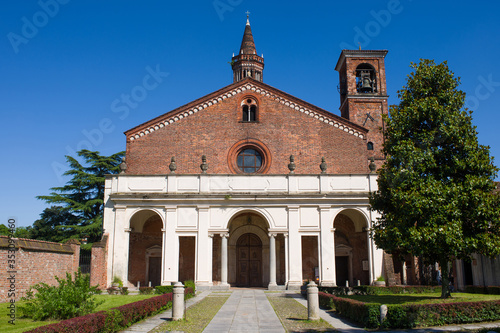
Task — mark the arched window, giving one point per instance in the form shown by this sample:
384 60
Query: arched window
249 160
249 110
370 145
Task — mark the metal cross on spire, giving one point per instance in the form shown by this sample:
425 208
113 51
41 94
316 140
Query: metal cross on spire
248 13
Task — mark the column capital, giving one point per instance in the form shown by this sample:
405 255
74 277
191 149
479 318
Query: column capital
273 234
170 209
203 207
224 235
333 230
120 207
163 230
285 234
293 208
211 235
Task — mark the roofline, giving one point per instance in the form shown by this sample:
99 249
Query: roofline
359 53
183 108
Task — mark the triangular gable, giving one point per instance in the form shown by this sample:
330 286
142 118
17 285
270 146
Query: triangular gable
242 87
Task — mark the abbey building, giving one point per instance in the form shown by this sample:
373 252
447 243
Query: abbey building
251 186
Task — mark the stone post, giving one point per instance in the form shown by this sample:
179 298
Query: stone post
272 261
178 301
312 301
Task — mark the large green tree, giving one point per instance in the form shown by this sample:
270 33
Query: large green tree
55 225
83 194
435 190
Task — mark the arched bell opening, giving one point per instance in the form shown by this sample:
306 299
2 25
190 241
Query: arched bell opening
366 79
145 248
351 248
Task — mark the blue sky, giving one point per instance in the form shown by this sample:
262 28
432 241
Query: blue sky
65 66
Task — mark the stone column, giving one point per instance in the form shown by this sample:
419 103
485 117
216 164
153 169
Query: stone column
334 273
210 258
326 250
369 244
272 261
171 259
223 259
203 259
287 275
294 249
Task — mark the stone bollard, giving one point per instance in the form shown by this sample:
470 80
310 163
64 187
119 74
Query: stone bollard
312 301
178 301
383 312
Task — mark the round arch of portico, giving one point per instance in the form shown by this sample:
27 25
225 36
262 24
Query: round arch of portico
263 213
357 216
141 210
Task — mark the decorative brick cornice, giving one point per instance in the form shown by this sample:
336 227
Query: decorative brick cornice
242 87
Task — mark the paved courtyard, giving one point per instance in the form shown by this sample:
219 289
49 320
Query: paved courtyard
248 310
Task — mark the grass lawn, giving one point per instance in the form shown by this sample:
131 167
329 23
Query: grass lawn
293 315
423 298
198 316
25 324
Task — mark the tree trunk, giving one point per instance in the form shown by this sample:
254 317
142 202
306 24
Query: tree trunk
445 281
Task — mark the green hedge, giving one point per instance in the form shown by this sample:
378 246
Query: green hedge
367 314
412 315
482 290
373 290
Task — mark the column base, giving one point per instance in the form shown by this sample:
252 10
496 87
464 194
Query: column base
203 285
275 287
294 285
327 284
222 286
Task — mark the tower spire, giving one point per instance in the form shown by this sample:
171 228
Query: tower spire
247 63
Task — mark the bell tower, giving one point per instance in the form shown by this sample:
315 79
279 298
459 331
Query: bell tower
247 63
363 94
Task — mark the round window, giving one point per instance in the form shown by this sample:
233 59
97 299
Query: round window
249 156
249 160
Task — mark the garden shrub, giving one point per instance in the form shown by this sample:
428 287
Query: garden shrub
112 320
493 290
366 314
146 290
163 289
71 298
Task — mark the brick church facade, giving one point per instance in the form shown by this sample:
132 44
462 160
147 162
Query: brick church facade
251 186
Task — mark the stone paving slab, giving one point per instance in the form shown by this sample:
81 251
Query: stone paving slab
246 311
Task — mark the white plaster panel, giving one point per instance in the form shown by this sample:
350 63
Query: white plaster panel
188 184
349 183
308 184
219 183
309 217
249 184
187 217
218 217
146 184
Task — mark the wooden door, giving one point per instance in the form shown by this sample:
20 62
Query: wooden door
249 261
154 273
342 270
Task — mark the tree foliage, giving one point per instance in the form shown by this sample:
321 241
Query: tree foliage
83 194
55 225
435 190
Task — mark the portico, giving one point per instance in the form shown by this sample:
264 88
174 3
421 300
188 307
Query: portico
274 231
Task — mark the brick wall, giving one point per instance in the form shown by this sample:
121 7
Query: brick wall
35 262
98 268
281 129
